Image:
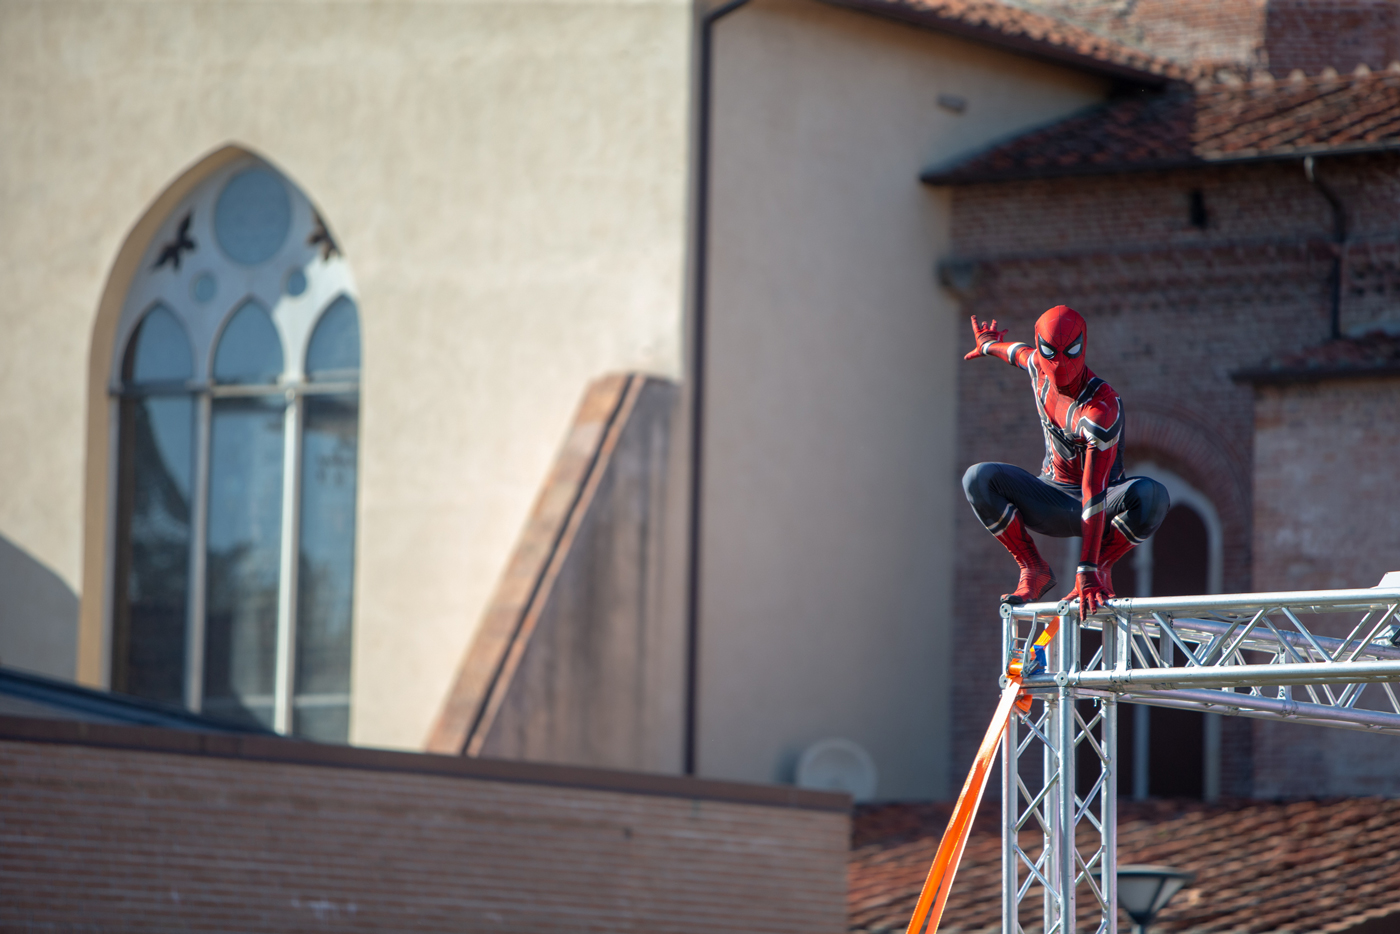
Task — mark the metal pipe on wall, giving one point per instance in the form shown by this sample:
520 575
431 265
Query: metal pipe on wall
1339 239
700 270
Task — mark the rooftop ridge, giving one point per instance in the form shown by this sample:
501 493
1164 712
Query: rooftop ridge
1028 29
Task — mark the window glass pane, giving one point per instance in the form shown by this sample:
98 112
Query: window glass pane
1180 554
322 717
244 552
334 351
153 547
159 351
249 349
325 575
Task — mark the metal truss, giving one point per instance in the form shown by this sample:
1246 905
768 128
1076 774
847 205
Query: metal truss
1304 657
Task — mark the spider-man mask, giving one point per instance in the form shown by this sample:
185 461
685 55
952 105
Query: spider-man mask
1059 341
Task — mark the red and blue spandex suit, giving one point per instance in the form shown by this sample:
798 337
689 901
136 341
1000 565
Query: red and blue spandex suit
1081 489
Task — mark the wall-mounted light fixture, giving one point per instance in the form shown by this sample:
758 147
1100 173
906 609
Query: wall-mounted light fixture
1145 890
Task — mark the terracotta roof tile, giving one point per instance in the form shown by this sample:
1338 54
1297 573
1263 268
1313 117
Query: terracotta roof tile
1031 31
1211 123
1260 866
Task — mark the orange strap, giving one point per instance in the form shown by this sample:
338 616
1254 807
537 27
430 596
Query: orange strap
950 849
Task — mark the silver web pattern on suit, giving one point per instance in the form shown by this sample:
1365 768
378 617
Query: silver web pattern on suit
1070 442
1002 521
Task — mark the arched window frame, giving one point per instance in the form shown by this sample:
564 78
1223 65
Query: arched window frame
1182 493
308 251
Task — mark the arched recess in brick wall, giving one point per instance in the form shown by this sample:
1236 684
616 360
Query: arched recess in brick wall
1186 443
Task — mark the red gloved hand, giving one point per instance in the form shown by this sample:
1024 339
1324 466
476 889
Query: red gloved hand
1090 593
982 333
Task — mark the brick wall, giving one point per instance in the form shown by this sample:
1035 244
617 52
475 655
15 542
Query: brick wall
1174 310
1202 31
1327 472
1327 484
1315 34
123 829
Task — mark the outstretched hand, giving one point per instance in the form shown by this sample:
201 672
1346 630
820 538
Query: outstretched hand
981 333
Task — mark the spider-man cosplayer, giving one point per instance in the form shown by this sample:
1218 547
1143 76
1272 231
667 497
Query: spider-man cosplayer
1081 489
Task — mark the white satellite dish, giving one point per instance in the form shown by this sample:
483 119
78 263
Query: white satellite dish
838 764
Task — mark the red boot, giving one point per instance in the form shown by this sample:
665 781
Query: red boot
1115 546
1036 576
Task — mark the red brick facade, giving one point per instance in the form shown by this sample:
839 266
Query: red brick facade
1174 310
124 829
1311 35
1327 481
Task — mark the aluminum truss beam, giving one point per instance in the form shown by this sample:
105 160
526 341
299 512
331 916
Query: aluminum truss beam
1306 657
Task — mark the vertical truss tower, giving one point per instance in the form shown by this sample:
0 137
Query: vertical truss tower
1305 657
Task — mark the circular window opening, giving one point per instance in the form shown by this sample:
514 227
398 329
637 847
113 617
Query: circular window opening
204 287
252 216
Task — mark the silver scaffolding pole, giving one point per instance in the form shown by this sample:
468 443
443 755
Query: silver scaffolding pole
1327 658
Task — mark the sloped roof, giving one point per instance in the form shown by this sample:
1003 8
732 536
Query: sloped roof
1373 354
1031 32
1211 123
1260 865
24 694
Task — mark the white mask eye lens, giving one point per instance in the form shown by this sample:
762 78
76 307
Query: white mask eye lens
1073 349
1047 351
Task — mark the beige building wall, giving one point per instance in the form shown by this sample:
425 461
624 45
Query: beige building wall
830 481
506 180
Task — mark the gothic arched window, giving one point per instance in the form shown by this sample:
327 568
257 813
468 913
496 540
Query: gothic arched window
238 370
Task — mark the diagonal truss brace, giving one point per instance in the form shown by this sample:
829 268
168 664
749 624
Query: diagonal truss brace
1321 657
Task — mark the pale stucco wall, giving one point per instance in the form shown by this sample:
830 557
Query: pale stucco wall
830 482
508 183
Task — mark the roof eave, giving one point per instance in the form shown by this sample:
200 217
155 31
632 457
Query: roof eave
1293 375
949 176
83 703
1024 45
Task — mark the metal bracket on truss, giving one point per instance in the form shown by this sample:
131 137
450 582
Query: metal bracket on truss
1306 657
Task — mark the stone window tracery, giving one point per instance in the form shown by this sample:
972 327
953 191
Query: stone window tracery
236 374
